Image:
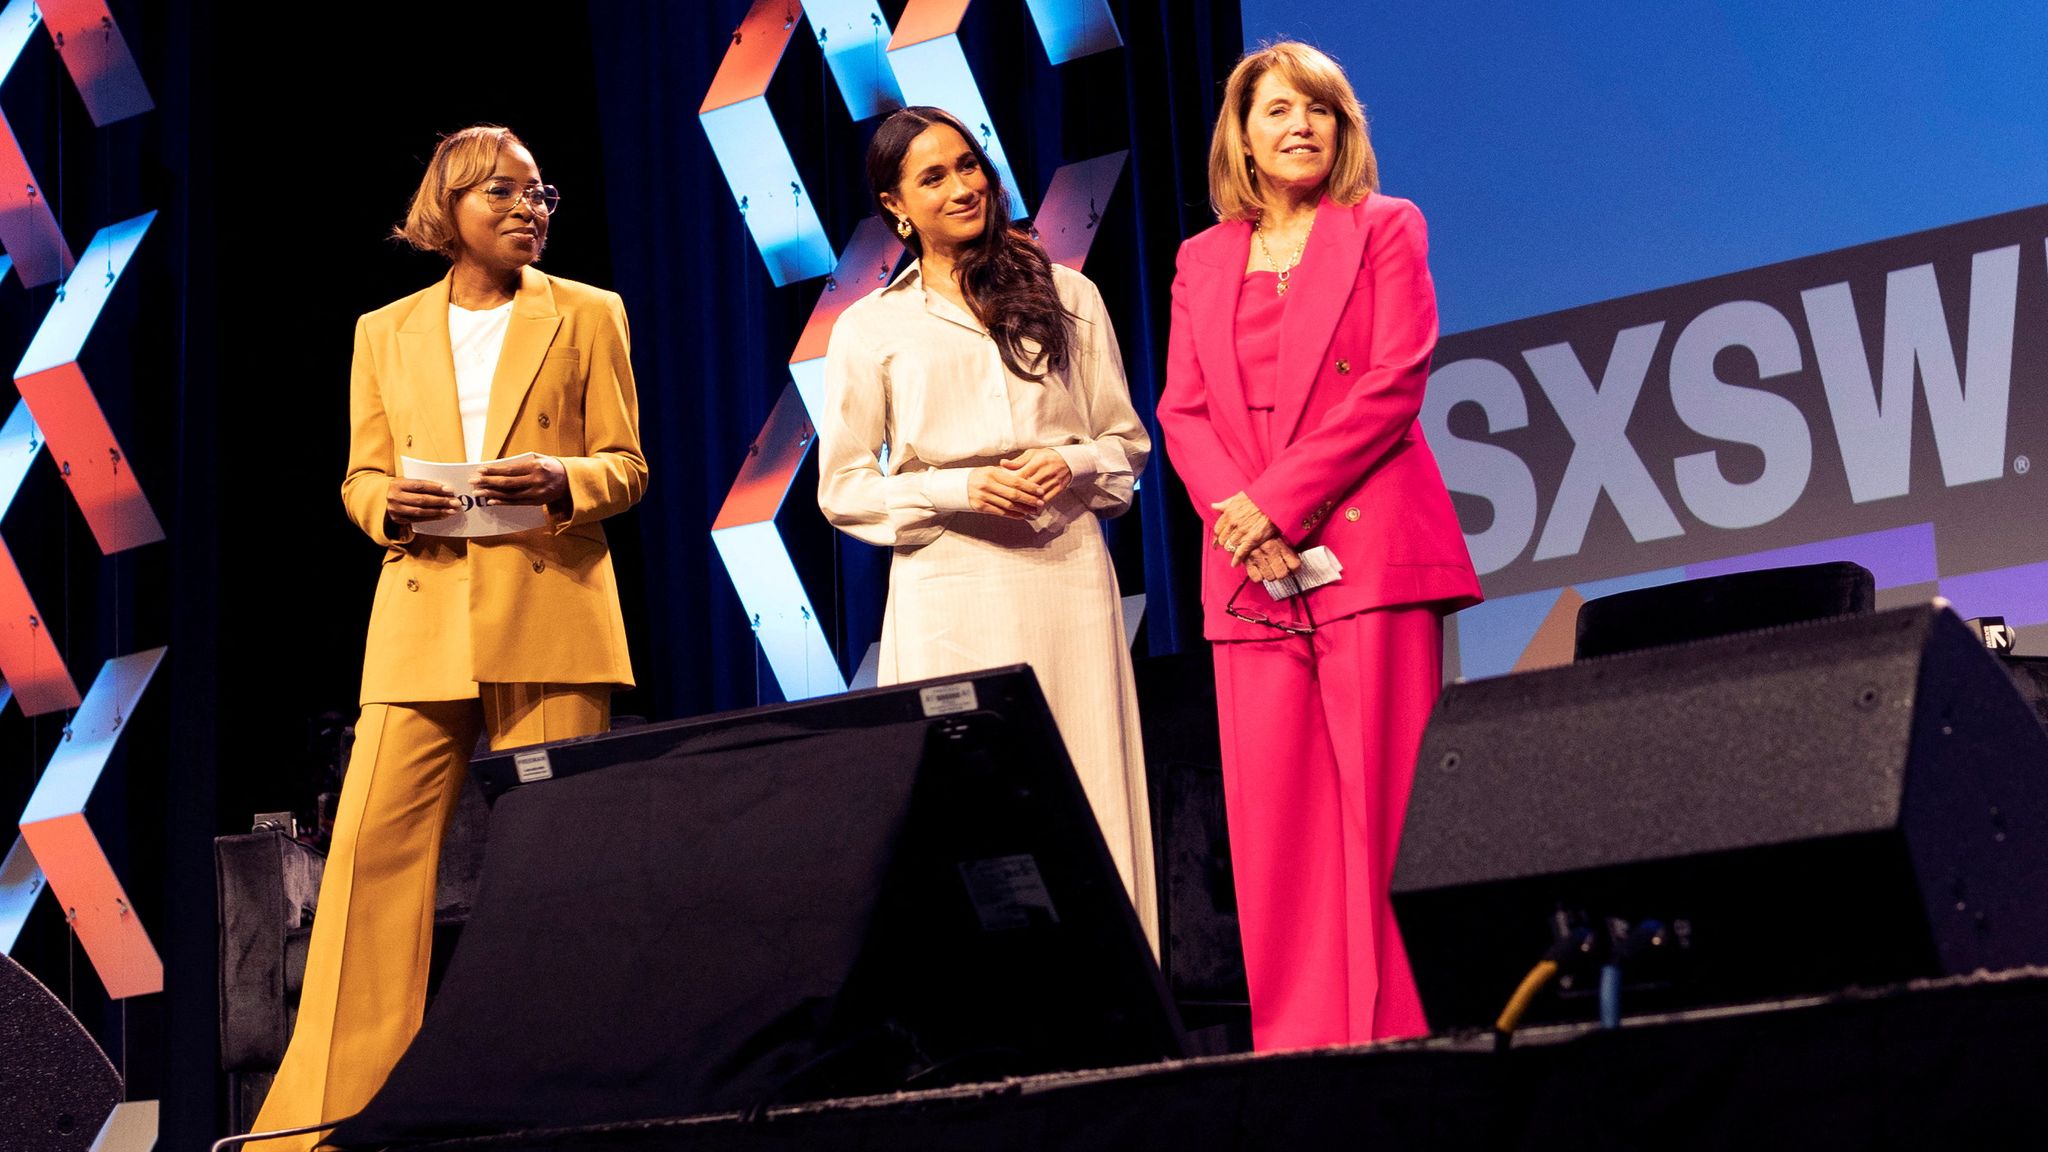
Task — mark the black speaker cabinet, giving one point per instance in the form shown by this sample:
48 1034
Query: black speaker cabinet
1721 605
1852 801
891 889
56 1086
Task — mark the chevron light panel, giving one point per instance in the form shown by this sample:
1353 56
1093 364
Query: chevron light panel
98 59
30 663
751 153
90 459
870 256
855 40
108 81
54 826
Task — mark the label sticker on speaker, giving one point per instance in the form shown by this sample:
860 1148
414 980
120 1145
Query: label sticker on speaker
1008 893
532 765
946 699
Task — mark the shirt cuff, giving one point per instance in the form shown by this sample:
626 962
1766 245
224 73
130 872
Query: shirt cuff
946 488
1080 460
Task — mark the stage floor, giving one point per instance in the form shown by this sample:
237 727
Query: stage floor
1952 1063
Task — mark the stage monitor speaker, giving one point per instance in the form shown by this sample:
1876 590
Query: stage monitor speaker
892 889
1852 801
56 1087
2030 675
1720 605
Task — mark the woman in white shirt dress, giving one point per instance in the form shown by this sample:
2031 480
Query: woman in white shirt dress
977 422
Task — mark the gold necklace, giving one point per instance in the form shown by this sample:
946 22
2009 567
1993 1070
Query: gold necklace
1259 233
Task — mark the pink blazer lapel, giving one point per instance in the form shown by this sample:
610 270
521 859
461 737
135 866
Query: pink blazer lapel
1212 307
1317 294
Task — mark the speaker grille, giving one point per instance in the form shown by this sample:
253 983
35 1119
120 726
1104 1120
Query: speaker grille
56 1086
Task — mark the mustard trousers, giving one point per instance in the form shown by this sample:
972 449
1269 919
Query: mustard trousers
366 966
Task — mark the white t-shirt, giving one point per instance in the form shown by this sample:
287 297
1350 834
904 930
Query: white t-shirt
476 339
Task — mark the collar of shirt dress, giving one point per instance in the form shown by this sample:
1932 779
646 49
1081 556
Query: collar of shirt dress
910 281
908 290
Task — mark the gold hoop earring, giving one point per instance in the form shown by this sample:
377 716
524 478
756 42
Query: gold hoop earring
903 227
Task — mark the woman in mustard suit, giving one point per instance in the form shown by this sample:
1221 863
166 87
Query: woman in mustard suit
518 635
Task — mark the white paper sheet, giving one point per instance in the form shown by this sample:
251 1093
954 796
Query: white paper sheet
1319 566
476 518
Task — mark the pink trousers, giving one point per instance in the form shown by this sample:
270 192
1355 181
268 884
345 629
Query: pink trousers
1318 756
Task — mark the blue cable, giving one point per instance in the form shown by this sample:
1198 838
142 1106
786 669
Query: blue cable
1610 995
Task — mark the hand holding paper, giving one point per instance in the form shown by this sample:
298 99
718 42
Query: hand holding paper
410 502
479 511
528 478
1319 566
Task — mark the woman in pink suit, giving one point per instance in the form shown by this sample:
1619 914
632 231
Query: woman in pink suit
1302 329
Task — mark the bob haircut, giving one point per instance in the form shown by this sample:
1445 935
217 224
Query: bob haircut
1234 181
461 161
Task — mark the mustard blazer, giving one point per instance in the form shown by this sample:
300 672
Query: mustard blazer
539 606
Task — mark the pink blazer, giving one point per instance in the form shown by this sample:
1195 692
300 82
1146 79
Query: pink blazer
1350 468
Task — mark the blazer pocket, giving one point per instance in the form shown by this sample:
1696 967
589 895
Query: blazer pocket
554 407
561 366
579 549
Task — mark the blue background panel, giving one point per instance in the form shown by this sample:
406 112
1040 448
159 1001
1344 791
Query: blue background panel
20 443
1070 29
77 308
67 782
786 626
21 881
855 40
18 23
1567 153
770 194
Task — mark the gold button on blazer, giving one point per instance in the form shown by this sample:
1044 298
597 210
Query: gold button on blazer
539 606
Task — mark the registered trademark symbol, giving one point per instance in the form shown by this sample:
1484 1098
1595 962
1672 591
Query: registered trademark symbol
2020 464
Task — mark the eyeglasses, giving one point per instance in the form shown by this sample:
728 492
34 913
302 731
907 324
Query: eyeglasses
504 196
1231 609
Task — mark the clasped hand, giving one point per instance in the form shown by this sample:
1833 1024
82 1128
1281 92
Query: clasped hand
1275 559
1250 538
1021 486
527 480
1241 527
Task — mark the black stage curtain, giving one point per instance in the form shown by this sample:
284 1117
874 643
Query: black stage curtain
712 333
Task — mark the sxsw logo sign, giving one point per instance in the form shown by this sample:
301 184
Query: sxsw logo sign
1904 381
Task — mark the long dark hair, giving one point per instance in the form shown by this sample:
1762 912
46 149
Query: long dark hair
1006 274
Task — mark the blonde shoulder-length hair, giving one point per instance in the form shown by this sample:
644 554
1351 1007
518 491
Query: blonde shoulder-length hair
461 161
1234 182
